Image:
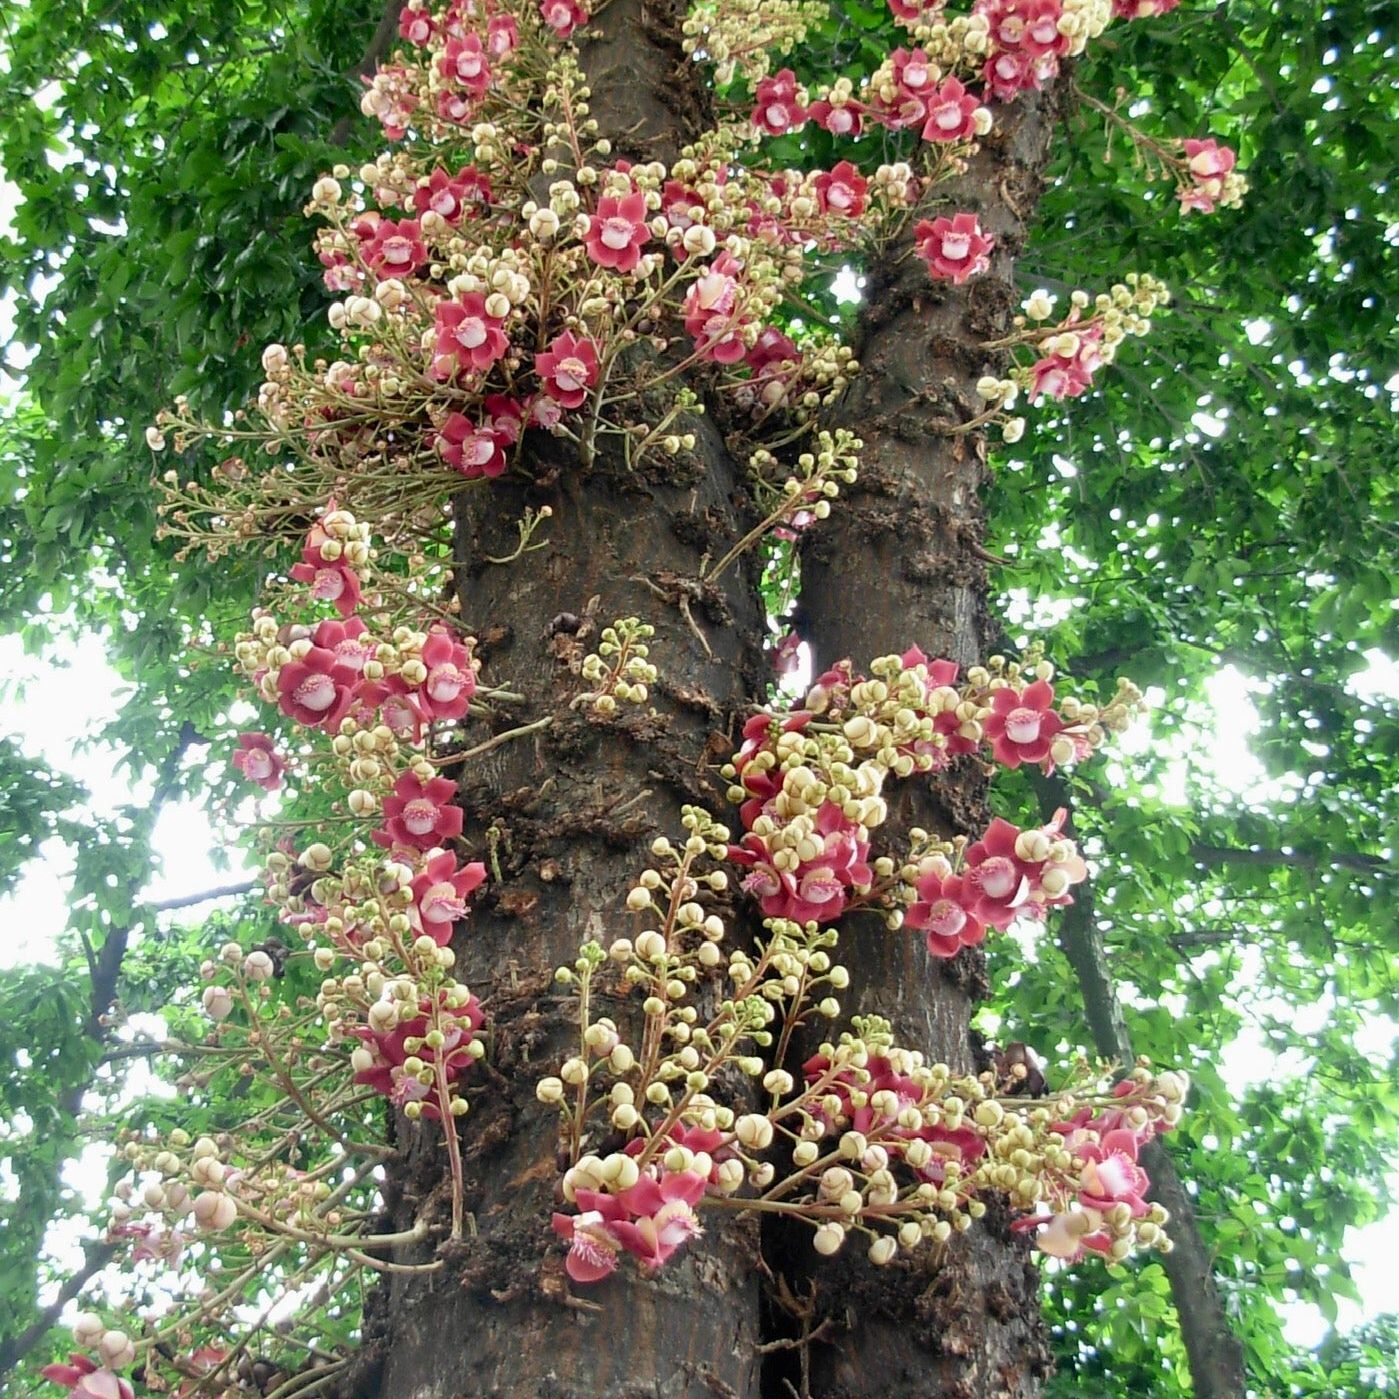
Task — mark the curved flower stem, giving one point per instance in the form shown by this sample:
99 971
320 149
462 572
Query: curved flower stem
494 742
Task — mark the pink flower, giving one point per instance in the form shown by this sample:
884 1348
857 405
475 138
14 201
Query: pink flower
1068 375
481 449
317 690
465 61
451 680
951 113
954 249
502 35
1009 72
415 25
451 196
712 313
258 760
786 655
650 1220
439 894
1022 725
911 11
996 877
913 73
846 119
86 1380
617 232
345 640
842 190
816 890
592 1251
396 708
331 580
419 815
1110 1174
563 16
1209 163
568 369
386 1051
944 912
468 336
773 359
1041 36
395 249
778 108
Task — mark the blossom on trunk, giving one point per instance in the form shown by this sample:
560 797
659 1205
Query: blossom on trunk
568 368
396 249
778 106
563 16
817 890
451 196
419 815
1022 725
347 640
954 249
840 118
381 1061
841 190
502 35
1068 369
618 231
468 335
256 757
951 113
1210 166
944 911
316 690
465 61
446 691
713 314
415 25
439 894
323 567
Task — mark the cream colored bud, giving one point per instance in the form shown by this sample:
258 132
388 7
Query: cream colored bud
828 1239
214 1211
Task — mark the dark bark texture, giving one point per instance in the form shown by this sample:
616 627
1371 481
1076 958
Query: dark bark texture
900 563
570 812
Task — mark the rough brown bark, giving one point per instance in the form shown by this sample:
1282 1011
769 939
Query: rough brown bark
570 812
900 563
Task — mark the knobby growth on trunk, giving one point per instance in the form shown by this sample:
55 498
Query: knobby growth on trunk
617 1037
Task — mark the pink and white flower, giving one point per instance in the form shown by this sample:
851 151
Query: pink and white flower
256 757
955 249
568 368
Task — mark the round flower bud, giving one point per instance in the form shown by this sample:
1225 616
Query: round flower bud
829 1237
117 1350
87 1329
218 1002
754 1131
258 966
883 1249
214 1211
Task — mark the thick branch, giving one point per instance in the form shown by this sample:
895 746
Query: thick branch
15 1348
1300 859
1216 1358
222 891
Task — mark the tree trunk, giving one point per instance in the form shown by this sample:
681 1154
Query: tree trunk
570 812
899 564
